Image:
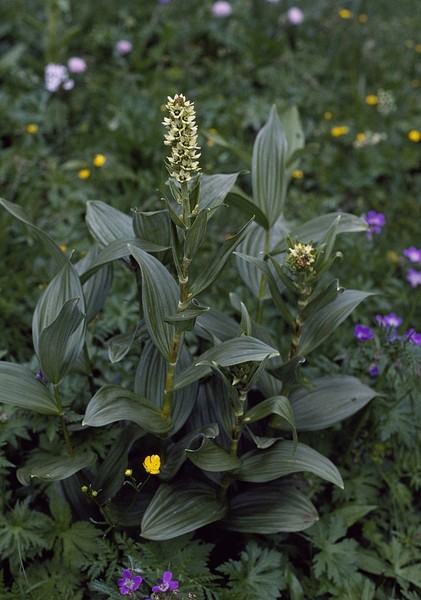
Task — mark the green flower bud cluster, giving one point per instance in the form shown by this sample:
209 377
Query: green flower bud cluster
182 137
301 256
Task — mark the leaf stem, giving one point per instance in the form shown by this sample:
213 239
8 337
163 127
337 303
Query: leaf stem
259 315
66 435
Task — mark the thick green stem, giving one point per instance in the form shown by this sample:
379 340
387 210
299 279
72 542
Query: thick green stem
236 433
66 435
169 380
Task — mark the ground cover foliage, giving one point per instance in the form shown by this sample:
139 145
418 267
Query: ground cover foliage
212 374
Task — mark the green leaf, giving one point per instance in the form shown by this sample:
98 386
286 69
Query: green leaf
320 297
96 289
214 189
270 509
107 224
229 353
50 245
294 136
268 168
53 469
284 458
249 260
113 403
277 405
159 299
19 387
153 227
328 401
116 250
179 508
323 322
244 203
185 320
61 342
210 272
316 229
211 457
195 235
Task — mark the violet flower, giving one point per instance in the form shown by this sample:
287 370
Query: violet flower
414 277
390 320
373 370
363 333
413 254
166 583
375 222
412 336
129 583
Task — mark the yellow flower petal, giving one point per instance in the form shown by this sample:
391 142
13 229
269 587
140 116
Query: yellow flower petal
152 464
32 128
84 174
99 160
414 135
371 99
344 13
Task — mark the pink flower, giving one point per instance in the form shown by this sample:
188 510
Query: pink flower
221 9
76 65
295 16
57 75
124 47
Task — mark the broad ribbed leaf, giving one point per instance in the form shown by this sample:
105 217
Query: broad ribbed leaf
328 401
321 297
113 403
65 286
53 469
107 224
284 458
61 342
270 509
253 245
53 249
211 457
153 227
159 299
97 287
210 272
268 168
116 250
229 353
196 234
315 229
214 324
294 136
277 405
244 203
214 189
323 322
179 508
19 387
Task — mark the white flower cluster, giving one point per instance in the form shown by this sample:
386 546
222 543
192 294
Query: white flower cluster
368 138
182 137
57 75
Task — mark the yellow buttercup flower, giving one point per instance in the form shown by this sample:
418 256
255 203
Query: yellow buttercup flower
84 174
371 99
297 174
414 135
339 130
344 13
99 160
152 464
32 128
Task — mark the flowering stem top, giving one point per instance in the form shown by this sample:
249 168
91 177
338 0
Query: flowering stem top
181 135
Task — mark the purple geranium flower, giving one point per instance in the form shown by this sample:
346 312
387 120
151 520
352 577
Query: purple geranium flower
363 333
129 583
373 370
390 320
295 16
413 337
375 222
221 9
414 277
413 254
166 583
